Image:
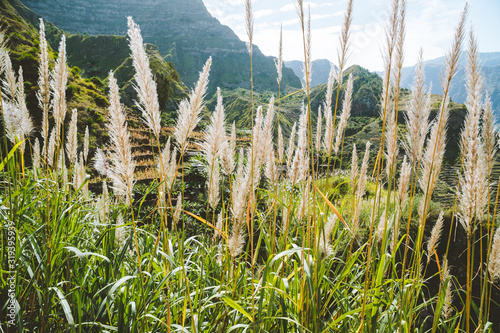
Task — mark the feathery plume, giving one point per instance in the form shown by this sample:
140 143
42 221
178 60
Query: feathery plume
71 139
271 172
120 231
145 86
345 34
473 191
58 83
433 242
281 151
433 155
328 139
494 263
360 189
101 163
279 62
391 141
51 148
219 226
417 116
249 24
346 113
318 130
86 144
266 135
17 122
213 146
403 186
291 146
178 209
43 94
300 164
324 237
167 167
189 110
122 173
36 154
448 298
489 136
228 155
354 168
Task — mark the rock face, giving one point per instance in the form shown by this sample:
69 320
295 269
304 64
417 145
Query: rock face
183 30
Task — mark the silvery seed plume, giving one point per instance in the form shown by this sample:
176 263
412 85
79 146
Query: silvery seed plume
489 133
354 168
281 150
318 130
101 163
391 141
178 209
51 148
36 155
188 114
228 155
71 139
86 144
168 165
43 94
417 116
271 171
433 242
145 86
58 83
403 186
249 24
494 263
213 146
328 139
26 125
399 47
120 231
447 310
473 191
213 185
325 236
346 113
307 68
266 136
17 123
433 155
300 165
279 62
239 201
360 189
9 82
219 226
291 146
344 39
120 150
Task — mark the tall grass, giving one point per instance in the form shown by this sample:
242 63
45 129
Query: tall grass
276 246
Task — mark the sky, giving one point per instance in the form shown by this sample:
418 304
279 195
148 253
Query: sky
430 26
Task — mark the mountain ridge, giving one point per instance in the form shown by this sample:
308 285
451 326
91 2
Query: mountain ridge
184 32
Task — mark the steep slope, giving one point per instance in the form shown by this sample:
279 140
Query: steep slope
320 70
366 99
184 31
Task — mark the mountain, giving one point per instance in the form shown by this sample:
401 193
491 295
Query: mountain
320 70
367 89
183 30
90 59
434 68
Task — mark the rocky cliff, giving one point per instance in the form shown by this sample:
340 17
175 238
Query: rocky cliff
183 30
